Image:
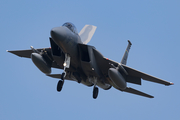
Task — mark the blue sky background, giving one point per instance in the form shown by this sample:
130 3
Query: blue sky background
153 26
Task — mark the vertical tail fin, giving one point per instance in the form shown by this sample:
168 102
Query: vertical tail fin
86 33
124 59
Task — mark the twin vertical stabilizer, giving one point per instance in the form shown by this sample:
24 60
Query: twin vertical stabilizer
124 59
86 33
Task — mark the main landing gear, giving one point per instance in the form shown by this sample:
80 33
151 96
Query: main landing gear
60 85
63 75
95 92
95 89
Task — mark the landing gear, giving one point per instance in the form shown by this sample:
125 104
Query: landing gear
95 92
95 89
63 76
66 65
60 85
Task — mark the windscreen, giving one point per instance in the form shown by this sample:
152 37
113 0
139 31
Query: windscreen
71 27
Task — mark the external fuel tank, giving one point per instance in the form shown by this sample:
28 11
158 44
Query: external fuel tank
117 78
40 63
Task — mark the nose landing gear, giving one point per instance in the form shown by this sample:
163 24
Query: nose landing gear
63 75
60 85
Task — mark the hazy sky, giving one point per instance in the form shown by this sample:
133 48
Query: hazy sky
153 26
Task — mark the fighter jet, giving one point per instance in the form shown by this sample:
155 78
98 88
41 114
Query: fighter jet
84 63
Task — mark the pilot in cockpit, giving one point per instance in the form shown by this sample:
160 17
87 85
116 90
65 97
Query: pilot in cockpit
71 27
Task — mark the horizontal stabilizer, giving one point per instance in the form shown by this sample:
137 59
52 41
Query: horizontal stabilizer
59 76
133 91
86 33
55 76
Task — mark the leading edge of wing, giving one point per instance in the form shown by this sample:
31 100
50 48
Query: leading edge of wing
22 53
25 53
145 76
134 91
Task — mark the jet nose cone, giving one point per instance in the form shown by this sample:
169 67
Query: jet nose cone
58 33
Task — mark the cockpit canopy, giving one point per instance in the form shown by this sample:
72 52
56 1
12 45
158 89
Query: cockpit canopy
71 27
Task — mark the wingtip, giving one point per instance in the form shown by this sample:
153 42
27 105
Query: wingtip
129 42
151 97
171 83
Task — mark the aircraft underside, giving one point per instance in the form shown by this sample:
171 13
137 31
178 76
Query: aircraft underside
83 63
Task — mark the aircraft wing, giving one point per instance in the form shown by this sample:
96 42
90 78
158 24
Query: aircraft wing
145 76
134 74
139 74
22 53
27 54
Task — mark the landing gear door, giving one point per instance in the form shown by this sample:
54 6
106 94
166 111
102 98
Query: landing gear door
57 53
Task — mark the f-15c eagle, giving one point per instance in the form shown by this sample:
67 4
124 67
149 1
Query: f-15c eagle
83 63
